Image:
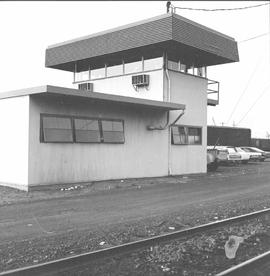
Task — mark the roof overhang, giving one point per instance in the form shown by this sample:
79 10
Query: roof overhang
181 38
94 97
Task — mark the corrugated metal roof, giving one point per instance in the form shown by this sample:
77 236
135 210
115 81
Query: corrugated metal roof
175 34
95 96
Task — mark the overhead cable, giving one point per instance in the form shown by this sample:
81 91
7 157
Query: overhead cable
220 9
246 87
254 37
264 91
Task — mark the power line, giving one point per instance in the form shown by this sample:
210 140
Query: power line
245 89
254 37
265 90
230 9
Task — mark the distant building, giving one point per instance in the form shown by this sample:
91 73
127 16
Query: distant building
228 136
261 143
140 109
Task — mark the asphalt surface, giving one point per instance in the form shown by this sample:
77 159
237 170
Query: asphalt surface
58 215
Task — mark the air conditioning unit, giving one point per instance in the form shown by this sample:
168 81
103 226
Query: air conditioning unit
140 80
88 86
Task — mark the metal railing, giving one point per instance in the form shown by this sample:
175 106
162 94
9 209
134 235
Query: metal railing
212 92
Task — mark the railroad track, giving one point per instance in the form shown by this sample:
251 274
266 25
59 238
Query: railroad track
257 266
60 266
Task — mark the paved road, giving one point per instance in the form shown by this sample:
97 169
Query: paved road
34 219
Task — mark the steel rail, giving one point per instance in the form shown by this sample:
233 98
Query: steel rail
61 265
247 267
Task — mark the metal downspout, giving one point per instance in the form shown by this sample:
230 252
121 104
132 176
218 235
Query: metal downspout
168 114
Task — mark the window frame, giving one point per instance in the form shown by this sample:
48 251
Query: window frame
186 137
72 119
111 120
200 135
186 128
42 138
85 118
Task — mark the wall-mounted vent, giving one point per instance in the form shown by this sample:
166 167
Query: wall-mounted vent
86 86
140 81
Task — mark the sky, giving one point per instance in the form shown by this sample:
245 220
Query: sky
27 28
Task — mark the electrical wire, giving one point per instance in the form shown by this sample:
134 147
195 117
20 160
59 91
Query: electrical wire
229 9
246 87
264 91
254 37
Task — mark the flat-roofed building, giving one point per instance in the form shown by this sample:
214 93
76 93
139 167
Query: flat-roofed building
139 108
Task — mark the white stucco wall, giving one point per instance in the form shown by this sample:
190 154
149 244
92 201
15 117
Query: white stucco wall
191 91
14 125
122 85
144 153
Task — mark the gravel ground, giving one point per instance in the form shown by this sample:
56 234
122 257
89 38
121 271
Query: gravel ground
13 196
202 254
14 254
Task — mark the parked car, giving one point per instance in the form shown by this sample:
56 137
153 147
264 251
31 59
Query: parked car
264 154
254 156
226 154
245 156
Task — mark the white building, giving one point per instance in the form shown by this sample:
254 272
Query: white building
141 109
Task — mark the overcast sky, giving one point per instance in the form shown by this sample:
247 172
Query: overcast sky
27 28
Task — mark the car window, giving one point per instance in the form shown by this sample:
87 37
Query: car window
247 150
257 150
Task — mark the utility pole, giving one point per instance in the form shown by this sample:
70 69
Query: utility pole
168 5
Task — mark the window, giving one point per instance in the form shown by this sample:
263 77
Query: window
81 76
133 67
194 136
86 130
201 71
186 135
56 129
153 63
115 70
98 73
172 65
179 136
113 131
73 129
183 68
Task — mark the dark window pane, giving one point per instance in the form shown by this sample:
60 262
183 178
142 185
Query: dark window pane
56 122
113 131
113 136
112 125
193 131
176 139
57 135
179 136
87 136
175 130
57 129
86 124
194 135
87 130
